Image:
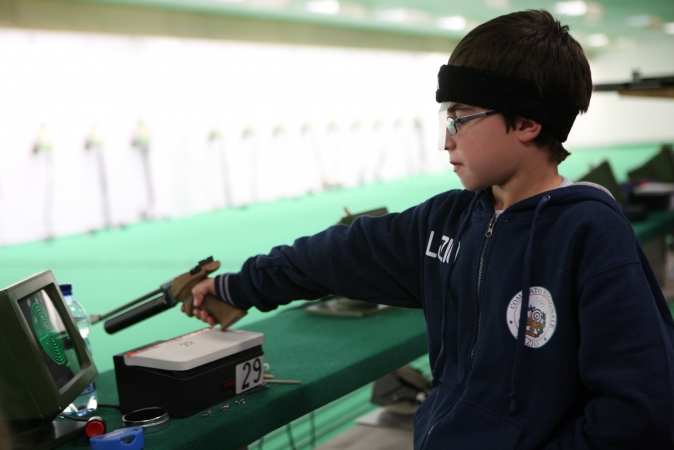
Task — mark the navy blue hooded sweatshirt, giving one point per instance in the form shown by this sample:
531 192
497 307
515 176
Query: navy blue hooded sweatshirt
590 365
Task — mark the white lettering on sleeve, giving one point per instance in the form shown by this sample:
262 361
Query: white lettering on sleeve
445 240
449 249
428 247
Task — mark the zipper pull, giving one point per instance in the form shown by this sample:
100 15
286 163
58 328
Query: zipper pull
490 230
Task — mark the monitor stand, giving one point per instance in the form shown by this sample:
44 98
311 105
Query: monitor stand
47 437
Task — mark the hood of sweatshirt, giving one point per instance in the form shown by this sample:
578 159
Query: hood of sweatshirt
549 204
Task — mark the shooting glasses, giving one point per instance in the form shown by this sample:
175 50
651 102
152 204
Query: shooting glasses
447 124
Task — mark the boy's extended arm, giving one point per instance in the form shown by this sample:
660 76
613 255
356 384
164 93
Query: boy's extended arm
626 359
375 259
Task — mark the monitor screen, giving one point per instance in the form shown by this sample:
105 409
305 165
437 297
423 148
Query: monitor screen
44 362
52 338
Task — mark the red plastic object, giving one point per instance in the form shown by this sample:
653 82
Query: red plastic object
95 427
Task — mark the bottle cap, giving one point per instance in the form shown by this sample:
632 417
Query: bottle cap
95 427
66 288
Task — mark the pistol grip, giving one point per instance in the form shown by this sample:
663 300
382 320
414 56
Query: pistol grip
222 312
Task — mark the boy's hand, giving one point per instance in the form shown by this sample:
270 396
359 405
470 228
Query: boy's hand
204 287
207 307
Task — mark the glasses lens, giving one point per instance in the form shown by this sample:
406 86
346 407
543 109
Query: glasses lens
442 126
451 126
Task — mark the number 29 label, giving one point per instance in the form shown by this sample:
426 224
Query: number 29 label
249 374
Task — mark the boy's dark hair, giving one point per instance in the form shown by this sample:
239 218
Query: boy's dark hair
532 46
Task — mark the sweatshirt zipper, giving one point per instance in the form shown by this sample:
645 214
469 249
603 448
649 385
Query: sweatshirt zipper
488 234
423 445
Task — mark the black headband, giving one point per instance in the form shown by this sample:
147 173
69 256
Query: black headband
506 95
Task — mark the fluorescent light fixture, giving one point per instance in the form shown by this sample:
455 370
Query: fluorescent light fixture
354 10
497 4
597 40
268 4
457 23
640 21
668 27
404 15
330 7
574 8
399 15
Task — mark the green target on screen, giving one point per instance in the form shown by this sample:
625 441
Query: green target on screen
46 335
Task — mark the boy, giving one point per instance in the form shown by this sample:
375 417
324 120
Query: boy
546 326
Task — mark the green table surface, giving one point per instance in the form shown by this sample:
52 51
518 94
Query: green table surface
331 356
657 224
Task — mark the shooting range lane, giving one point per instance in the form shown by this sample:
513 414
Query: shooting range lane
110 268
331 356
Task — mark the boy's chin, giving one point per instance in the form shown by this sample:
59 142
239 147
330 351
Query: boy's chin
473 186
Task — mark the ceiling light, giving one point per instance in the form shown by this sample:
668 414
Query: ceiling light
668 27
403 15
574 8
497 4
393 15
457 23
354 10
641 21
323 6
268 4
597 40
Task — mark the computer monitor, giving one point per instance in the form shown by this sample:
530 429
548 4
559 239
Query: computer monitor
44 363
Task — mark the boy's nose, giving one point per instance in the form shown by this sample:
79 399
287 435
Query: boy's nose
449 142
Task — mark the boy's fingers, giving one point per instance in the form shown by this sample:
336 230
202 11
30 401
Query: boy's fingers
206 286
199 292
207 318
204 316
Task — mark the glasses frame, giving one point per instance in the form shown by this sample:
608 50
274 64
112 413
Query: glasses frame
451 122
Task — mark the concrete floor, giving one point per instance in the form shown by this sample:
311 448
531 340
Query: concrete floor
365 437
378 430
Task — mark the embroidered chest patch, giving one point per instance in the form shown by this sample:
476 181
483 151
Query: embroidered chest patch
541 317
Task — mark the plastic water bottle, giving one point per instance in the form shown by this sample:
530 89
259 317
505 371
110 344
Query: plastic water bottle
87 401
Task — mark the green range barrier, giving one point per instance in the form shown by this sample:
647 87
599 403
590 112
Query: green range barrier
111 267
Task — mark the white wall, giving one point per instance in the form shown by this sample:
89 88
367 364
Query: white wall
315 117
612 119
293 119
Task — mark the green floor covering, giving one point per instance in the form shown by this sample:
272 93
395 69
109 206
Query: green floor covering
111 267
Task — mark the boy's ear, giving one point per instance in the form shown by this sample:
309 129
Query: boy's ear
527 129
